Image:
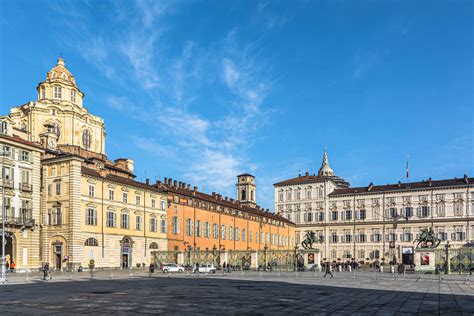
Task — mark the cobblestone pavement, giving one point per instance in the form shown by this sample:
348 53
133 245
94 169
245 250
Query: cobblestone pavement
245 293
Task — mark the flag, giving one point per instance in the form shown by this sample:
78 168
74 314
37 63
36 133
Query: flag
407 174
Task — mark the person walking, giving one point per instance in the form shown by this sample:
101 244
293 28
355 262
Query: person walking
328 271
12 266
45 271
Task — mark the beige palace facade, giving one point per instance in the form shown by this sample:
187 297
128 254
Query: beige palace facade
378 221
89 208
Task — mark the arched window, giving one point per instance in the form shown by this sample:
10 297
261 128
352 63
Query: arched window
86 139
54 127
91 242
57 92
243 195
153 245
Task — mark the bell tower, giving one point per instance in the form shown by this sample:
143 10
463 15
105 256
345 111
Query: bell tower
246 189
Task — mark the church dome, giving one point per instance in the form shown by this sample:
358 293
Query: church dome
325 170
61 73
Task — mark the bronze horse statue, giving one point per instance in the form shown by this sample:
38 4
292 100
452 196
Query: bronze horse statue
309 239
427 236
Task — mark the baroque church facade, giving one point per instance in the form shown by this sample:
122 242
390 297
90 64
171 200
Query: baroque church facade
376 222
90 208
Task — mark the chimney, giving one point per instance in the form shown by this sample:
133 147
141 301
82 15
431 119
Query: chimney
189 187
195 188
466 179
147 181
213 194
226 198
399 184
165 180
175 183
170 181
429 181
180 184
307 173
158 182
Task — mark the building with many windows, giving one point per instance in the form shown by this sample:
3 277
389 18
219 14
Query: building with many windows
21 184
203 222
91 207
377 221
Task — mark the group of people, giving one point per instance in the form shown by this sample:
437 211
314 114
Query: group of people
11 266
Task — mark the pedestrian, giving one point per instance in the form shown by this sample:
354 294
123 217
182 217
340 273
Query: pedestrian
197 268
328 271
224 267
45 271
12 266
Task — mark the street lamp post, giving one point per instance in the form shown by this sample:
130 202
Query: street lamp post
3 277
296 257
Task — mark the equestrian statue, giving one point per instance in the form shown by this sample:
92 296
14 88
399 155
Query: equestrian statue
427 236
309 239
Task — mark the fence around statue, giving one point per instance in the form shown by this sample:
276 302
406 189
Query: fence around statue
457 260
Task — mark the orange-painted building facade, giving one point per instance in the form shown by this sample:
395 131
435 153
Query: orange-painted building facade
201 221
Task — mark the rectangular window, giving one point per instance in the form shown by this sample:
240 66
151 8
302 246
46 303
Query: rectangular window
231 233
125 197
198 229
215 231
207 229
58 188
163 205
393 212
57 216
163 226
244 235
153 203
138 222
25 156
125 222
175 225
348 215
189 227
334 215
110 219
111 195
73 95
91 217
137 200
91 190
153 224
223 232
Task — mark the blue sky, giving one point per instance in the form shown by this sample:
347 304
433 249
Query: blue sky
201 91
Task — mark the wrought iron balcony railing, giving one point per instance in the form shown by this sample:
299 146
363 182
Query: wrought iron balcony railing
25 187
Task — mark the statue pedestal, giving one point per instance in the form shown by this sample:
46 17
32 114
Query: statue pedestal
312 257
424 260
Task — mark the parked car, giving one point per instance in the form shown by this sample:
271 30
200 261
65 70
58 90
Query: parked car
171 267
207 268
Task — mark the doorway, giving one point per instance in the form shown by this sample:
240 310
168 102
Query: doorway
9 253
126 253
407 255
58 256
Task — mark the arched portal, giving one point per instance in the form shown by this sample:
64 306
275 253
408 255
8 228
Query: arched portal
126 245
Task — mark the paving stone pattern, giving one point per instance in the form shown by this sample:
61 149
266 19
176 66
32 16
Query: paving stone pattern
240 293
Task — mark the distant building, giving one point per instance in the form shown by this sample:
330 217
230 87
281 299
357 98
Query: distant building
377 221
204 222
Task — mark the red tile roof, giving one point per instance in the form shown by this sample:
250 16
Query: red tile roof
20 140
